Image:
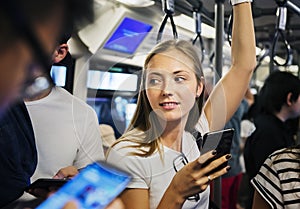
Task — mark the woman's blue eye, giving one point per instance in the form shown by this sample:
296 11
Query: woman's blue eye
153 81
179 79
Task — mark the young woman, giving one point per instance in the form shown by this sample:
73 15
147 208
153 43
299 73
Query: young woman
158 148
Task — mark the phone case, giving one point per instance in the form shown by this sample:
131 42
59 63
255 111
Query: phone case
213 140
45 183
221 142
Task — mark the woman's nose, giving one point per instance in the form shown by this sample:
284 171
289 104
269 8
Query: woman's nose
167 93
168 89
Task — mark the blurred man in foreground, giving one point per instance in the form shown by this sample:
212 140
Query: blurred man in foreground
29 34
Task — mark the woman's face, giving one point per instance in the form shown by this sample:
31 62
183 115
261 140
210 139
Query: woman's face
171 85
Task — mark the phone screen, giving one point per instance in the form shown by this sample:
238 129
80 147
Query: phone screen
93 188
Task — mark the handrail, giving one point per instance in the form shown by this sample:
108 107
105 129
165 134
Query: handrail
168 8
293 7
229 28
280 28
279 32
198 29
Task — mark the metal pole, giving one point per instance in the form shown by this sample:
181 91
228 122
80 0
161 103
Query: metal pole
219 41
294 7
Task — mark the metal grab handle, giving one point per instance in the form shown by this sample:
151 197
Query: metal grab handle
280 28
168 8
197 17
279 33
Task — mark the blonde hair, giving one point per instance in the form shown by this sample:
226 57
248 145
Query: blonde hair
148 123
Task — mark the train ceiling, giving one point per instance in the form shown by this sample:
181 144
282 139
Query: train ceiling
265 20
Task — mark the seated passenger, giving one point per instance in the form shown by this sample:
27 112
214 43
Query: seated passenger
158 148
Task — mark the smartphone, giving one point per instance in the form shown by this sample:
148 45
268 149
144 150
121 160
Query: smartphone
46 184
220 141
93 188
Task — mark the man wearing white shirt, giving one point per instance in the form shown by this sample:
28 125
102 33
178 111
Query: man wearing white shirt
66 130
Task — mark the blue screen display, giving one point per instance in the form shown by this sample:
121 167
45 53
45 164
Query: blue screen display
128 36
93 188
59 74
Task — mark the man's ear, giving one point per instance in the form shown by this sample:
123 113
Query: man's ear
60 53
289 99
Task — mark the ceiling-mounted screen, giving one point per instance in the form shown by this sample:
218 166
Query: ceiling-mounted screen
112 81
128 36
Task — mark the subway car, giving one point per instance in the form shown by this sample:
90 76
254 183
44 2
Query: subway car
104 70
109 53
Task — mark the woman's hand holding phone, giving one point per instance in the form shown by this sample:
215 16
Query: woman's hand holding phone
220 141
195 176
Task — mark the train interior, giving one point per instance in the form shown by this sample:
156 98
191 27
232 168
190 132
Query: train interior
108 54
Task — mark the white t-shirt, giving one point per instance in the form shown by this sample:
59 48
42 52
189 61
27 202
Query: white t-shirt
154 174
66 132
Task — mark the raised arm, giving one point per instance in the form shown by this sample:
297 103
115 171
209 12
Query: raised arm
229 91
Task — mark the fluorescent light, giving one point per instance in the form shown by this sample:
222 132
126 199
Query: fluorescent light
259 51
188 23
137 3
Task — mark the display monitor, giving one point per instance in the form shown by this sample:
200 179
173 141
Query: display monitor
59 75
128 36
105 80
62 73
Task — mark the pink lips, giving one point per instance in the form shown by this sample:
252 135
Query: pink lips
169 105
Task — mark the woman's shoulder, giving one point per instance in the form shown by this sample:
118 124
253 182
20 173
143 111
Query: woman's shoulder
124 145
129 142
